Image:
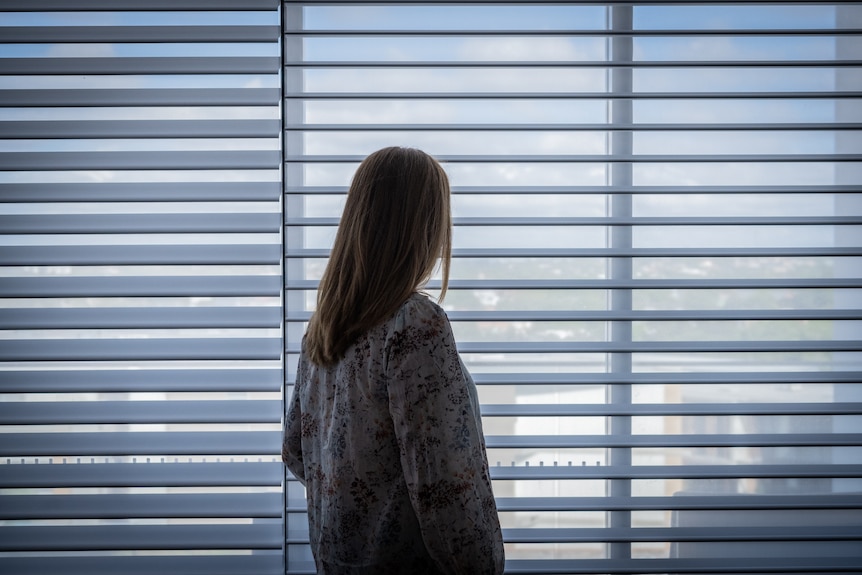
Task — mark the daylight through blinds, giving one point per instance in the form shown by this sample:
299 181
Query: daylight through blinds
140 287
656 278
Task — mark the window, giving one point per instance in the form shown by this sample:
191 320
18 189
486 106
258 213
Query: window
656 280
140 287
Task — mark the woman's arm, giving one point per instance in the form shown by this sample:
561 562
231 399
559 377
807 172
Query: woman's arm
291 442
437 424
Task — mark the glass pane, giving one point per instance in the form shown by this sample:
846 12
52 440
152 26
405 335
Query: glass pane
762 255
118 292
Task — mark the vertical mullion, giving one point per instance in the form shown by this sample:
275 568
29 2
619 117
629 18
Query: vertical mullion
620 237
846 47
293 114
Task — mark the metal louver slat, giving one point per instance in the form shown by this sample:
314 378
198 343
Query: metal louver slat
237 471
688 409
141 505
658 346
635 441
678 127
661 315
252 411
579 95
253 442
552 221
650 346
240 473
139 65
555 252
224 564
658 566
139 192
610 190
161 160
106 97
142 129
135 318
140 254
142 286
111 380
91 34
644 534
141 443
137 6
715 378
682 565
140 223
689 502
789 377
640 472
574 32
554 63
640 315
84 412
108 537
143 349
589 158
640 284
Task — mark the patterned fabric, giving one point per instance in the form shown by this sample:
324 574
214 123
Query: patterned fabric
389 446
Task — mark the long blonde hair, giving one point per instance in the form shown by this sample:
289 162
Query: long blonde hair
396 224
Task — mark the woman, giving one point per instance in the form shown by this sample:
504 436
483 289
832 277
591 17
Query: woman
384 428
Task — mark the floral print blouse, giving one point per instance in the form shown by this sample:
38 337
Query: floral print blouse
389 446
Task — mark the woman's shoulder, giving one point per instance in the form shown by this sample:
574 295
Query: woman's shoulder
418 312
419 324
419 308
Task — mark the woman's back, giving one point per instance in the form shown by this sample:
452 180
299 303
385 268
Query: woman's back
389 444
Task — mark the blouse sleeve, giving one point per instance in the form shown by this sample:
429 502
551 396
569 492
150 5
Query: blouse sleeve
291 443
435 413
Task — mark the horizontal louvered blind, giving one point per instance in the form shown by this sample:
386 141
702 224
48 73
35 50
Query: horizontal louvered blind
657 269
140 287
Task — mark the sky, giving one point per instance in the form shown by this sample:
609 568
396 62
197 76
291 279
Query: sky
510 175
514 111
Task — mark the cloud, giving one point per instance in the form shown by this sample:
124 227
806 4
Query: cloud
531 49
734 174
81 51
